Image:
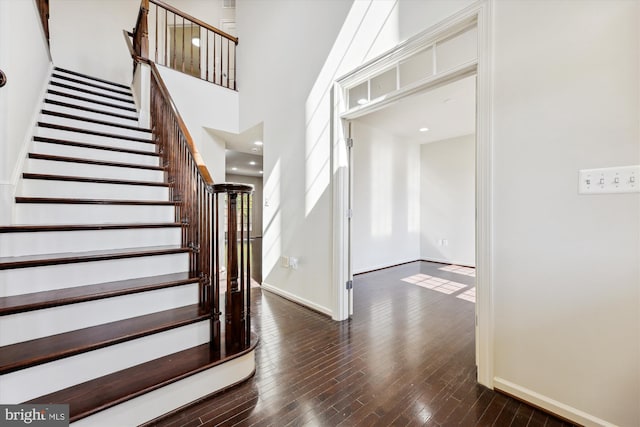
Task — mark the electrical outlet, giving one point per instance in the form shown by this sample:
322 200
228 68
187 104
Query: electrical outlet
284 261
293 263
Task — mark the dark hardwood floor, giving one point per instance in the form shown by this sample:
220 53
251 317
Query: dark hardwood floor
406 359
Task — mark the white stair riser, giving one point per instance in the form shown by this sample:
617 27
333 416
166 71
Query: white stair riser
173 396
45 278
88 190
94 154
91 115
93 88
82 124
55 167
38 380
120 102
90 104
53 213
92 81
94 139
48 242
41 323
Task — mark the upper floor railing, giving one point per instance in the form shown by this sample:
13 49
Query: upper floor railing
172 38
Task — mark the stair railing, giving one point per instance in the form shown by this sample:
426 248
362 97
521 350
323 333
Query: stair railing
172 38
236 199
197 203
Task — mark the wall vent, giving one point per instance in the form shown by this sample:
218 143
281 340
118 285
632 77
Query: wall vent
228 4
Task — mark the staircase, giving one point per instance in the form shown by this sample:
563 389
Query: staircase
98 309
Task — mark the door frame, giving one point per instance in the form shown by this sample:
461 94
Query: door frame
479 13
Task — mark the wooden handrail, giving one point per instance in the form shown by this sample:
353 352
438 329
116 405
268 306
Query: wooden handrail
194 20
202 168
43 10
128 35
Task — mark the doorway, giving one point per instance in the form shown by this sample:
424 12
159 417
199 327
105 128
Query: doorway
357 85
413 180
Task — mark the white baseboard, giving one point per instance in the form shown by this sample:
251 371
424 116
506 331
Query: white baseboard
548 404
295 298
448 261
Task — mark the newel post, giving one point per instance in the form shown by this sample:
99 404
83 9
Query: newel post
237 320
141 31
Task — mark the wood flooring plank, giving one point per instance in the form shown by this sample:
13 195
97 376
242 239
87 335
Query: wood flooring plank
407 357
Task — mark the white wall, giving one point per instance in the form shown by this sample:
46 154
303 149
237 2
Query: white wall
447 200
86 35
257 199
204 106
330 38
567 279
24 58
386 199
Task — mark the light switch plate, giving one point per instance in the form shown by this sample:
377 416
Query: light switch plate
622 179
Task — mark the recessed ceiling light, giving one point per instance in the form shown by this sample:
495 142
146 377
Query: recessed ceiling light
234 169
252 163
195 41
423 129
258 143
362 101
261 172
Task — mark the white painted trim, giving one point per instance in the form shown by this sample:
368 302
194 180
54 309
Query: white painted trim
303 301
479 13
12 186
339 159
447 261
549 404
484 197
460 72
373 268
441 31
175 395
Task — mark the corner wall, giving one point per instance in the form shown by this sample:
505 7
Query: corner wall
24 57
447 201
567 271
386 199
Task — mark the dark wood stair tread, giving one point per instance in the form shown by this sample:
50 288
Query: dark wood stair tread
54 298
27 261
91 110
69 201
93 146
101 393
75 73
92 92
93 132
86 83
22 355
91 161
92 180
95 101
95 121
54 157
28 228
